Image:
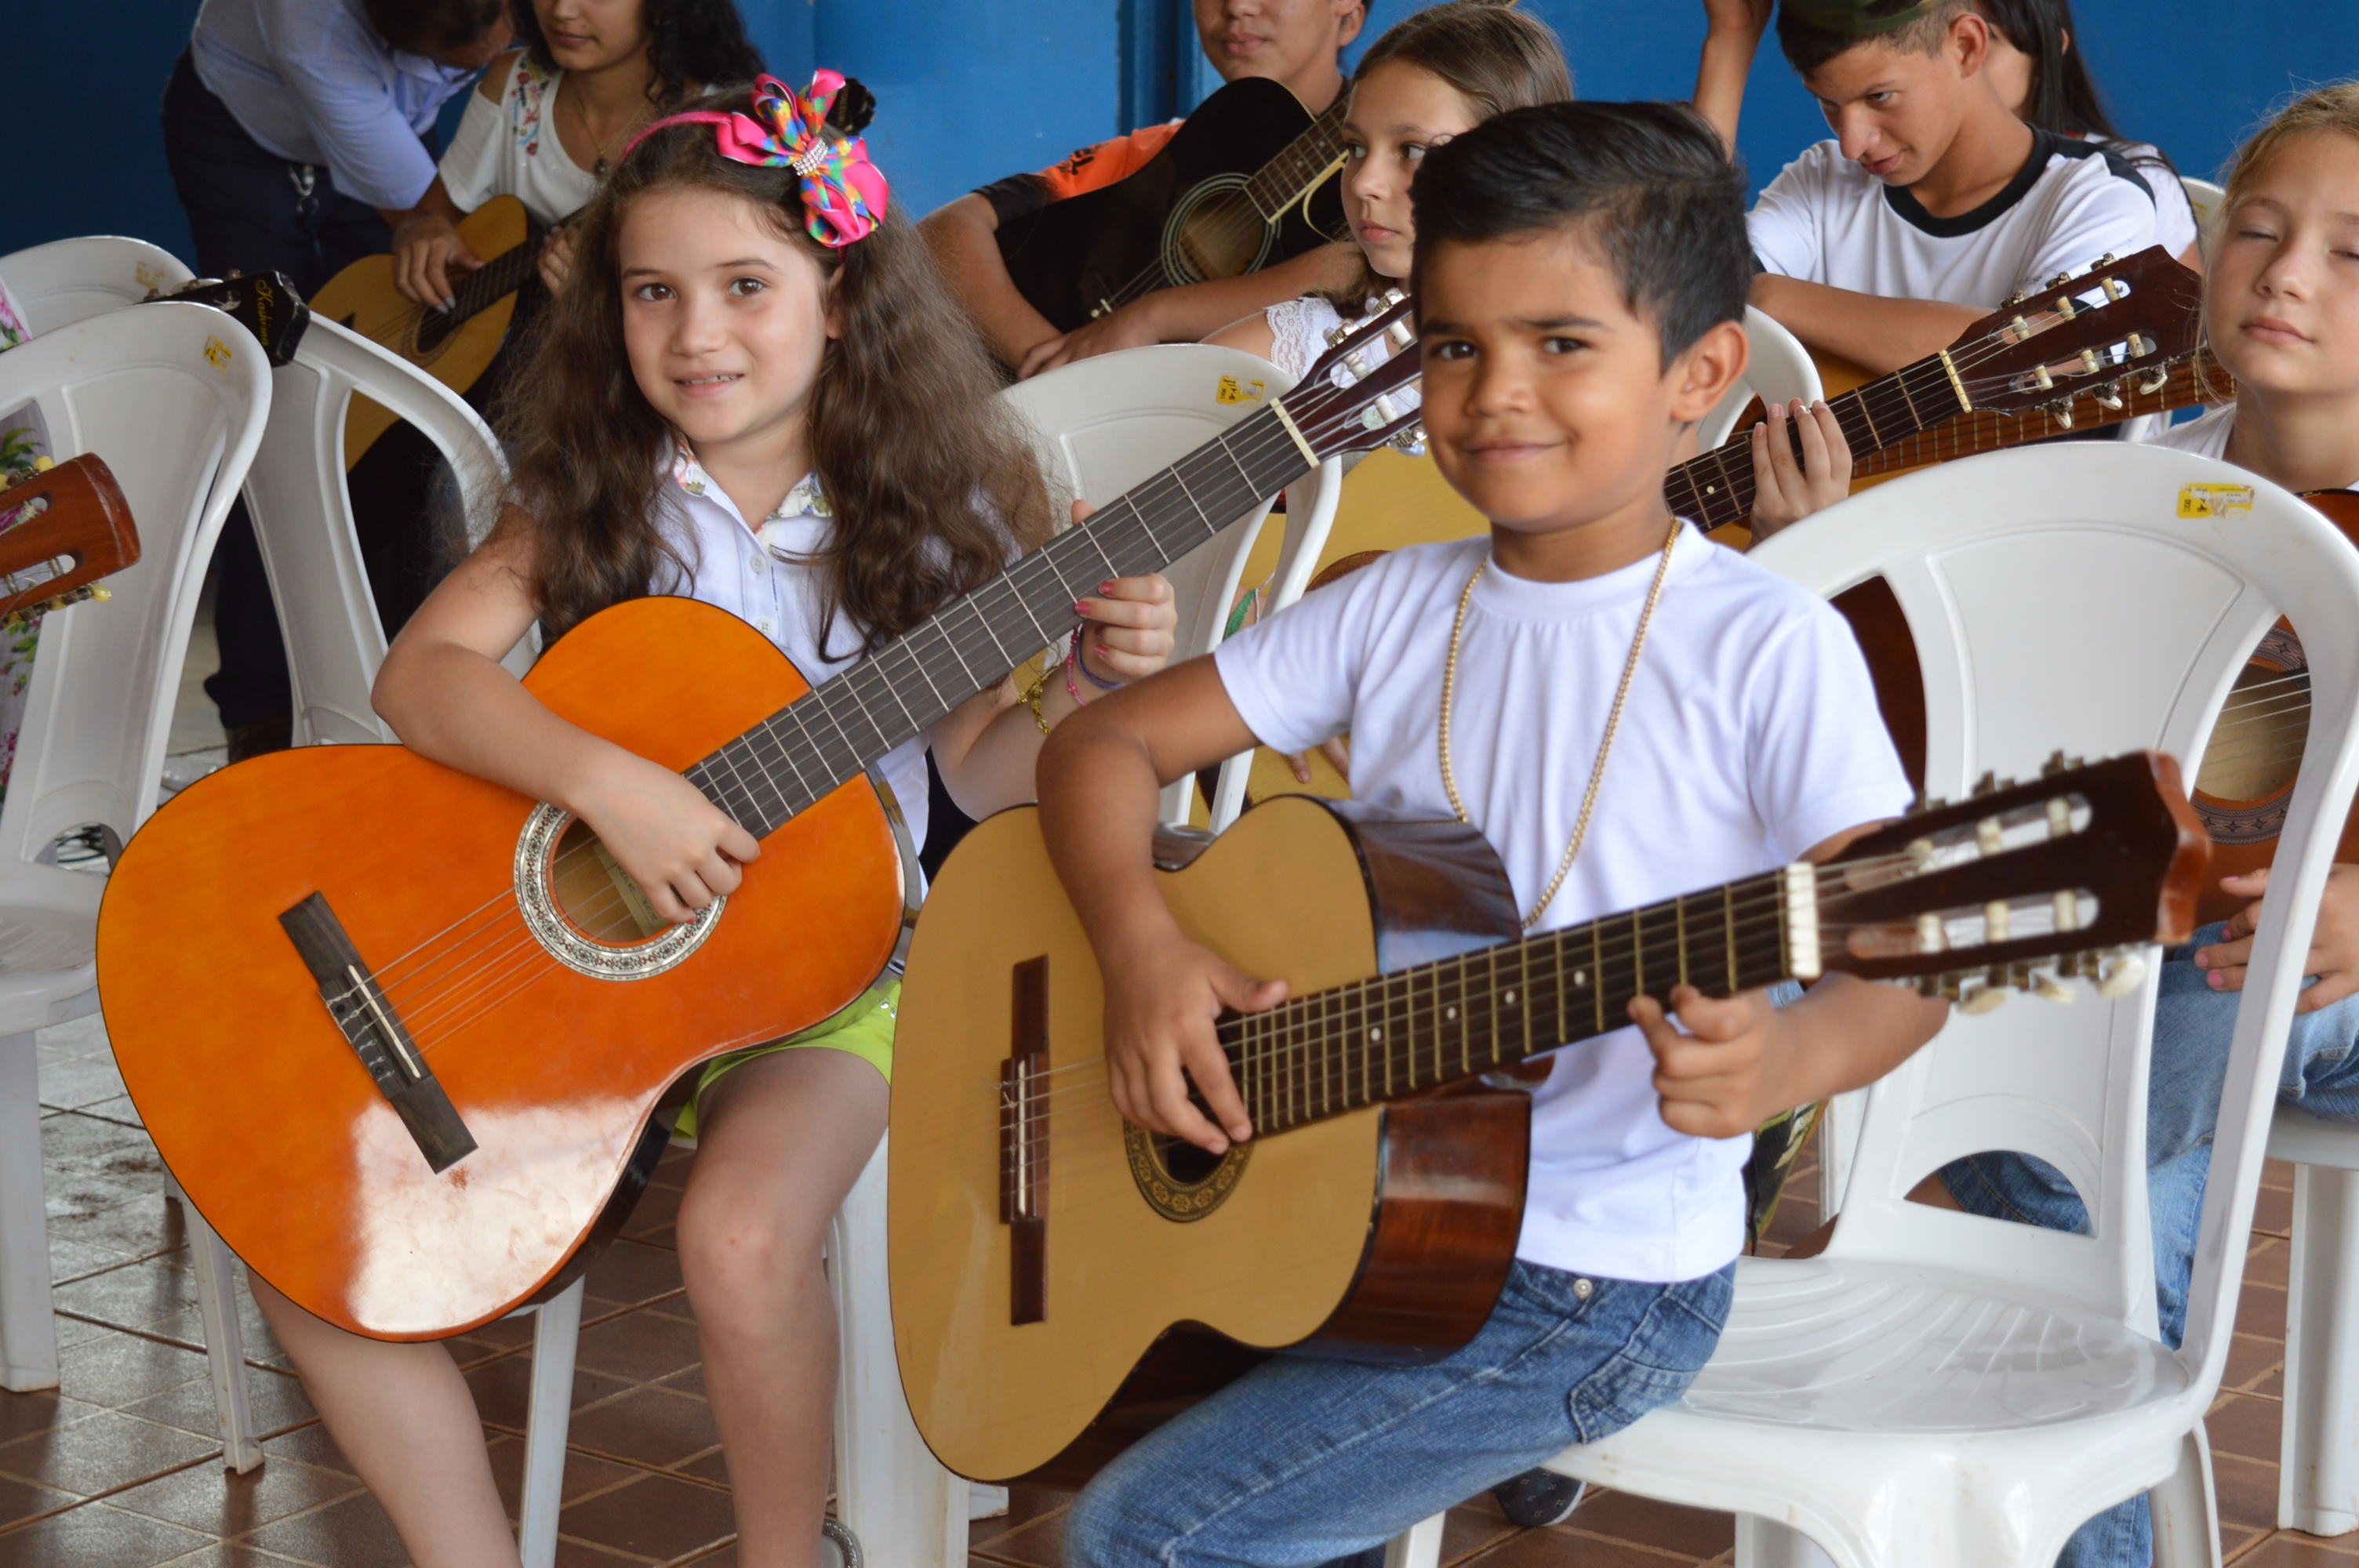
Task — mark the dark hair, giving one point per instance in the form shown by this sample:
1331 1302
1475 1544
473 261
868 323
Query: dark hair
422 26
2063 97
1493 57
930 477
692 45
1809 46
1649 182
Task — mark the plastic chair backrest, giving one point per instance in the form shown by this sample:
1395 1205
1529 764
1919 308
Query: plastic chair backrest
2206 197
174 399
303 520
1109 423
1777 369
2063 596
65 281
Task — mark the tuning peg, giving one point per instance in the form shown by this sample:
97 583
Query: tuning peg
1336 334
2140 345
2060 280
2059 816
2062 414
1985 997
2116 289
1988 837
2054 765
2046 987
2121 976
2068 307
1997 919
1393 297
2105 259
1930 935
1920 853
1411 440
2109 397
2155 381
1989 784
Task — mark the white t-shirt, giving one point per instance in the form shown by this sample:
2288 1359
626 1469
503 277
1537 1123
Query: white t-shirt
2175 225
765 578
2206 436
510 147
1750 735
1826 220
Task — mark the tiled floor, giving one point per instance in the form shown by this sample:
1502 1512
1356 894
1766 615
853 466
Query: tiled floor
120 1467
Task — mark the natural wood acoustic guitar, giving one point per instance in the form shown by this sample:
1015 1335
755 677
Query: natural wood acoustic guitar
402 1035
455 346
1041 1247
1242 184
61 529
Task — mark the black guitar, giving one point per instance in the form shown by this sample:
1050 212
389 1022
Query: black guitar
1244 183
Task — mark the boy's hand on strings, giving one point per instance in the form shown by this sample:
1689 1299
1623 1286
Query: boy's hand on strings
1163 997
1786 488
681 850
1338 752
1730 1072
556 264
2333 957
426 249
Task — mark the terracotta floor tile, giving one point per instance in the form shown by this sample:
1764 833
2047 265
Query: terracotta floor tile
2245 1425
232 1555
277 1399
1642 1521
1468 1532
21 1415
642 1345
132 1296
660 1517
504 1388
2250 1359
1025 1504
648 1427
2267 1262
658 1208
99 1453
22 1499
2247 1490
573 1553
1035 1545
2287 1549
93 1534
118 1369
2261 1310
631 1272
689 1381
2277 1175
2235 1540
2273 1385
353 1533
309 1446
71 1260
1567 1547
210 1498
585 1473
2274 1213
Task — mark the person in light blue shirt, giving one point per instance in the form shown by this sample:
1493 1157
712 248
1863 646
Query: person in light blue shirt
299 132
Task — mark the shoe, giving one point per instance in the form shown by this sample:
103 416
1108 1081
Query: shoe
1538 1498
838 1547
256 736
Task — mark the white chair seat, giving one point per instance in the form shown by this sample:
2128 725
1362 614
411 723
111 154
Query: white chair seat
49 938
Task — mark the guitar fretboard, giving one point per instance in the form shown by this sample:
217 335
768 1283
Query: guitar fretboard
2192 379
1334 1051
478 291
1279 183
805 750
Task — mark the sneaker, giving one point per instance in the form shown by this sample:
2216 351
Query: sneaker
1538 1498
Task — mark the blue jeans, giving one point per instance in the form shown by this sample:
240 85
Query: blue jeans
1307 1459
2192 1029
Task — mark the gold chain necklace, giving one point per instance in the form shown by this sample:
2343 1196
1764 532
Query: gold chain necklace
1605 744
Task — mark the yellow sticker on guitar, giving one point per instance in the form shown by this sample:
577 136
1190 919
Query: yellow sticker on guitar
2214 499
1235 391
218 353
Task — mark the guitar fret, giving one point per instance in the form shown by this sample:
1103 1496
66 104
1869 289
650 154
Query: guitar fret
1679 933
1637 959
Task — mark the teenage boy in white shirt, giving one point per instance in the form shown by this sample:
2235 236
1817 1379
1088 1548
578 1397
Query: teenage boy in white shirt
1580 271
1933 202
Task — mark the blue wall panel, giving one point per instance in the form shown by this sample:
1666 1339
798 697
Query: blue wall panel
972 89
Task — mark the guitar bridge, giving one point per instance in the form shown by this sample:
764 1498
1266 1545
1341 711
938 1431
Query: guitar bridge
365 1018
1024 1145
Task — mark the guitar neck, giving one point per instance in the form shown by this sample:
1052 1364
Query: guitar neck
802 752
495 280
2193 378
1441 1023
1299 165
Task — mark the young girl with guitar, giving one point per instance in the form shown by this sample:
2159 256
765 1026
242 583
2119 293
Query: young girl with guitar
758 394
2281 311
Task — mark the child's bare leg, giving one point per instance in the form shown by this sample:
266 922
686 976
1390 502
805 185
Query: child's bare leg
782 1140
404 1417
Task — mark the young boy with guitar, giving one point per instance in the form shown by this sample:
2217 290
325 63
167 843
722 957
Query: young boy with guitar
1296 43
1580 271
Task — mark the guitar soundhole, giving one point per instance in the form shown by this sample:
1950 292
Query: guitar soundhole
1180 1181
1217 233
586 914
596 896
2248 770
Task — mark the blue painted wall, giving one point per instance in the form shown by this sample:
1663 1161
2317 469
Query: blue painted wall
971 89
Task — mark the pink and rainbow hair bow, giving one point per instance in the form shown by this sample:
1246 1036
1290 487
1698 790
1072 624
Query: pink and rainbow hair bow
844 194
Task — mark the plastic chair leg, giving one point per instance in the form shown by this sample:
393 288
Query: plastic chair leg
2318 1483
1766 1543
28 1333
556 1326
224 1340
985 1501
1838 1146
905 1510
1418 1547
2186 1509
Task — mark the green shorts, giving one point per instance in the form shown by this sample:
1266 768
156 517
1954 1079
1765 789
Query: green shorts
864 1030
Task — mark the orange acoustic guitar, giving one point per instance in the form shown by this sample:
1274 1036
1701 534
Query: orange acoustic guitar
401 1035
61 529
1041 1247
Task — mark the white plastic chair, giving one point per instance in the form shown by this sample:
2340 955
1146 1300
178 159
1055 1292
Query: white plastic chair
174 399
65 281
1777 369
2206 197
1108 423
1938 1391
2318 1468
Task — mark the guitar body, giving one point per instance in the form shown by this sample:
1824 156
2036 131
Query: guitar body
363 298
1386 1232
2244 785
1185 214
265 1113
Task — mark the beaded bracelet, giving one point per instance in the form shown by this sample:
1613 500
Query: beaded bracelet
1032 695
1087 673
1070 689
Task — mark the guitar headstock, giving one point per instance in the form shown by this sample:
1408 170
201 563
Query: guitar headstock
61 529
265 304
2113 327
1365 411
2020 885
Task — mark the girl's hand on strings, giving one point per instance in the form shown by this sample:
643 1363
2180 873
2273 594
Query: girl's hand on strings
2333 963
1786 488
1133 626
681 850
426 250
1730 1071
1164 995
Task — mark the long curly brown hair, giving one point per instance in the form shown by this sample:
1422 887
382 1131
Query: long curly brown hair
931 480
